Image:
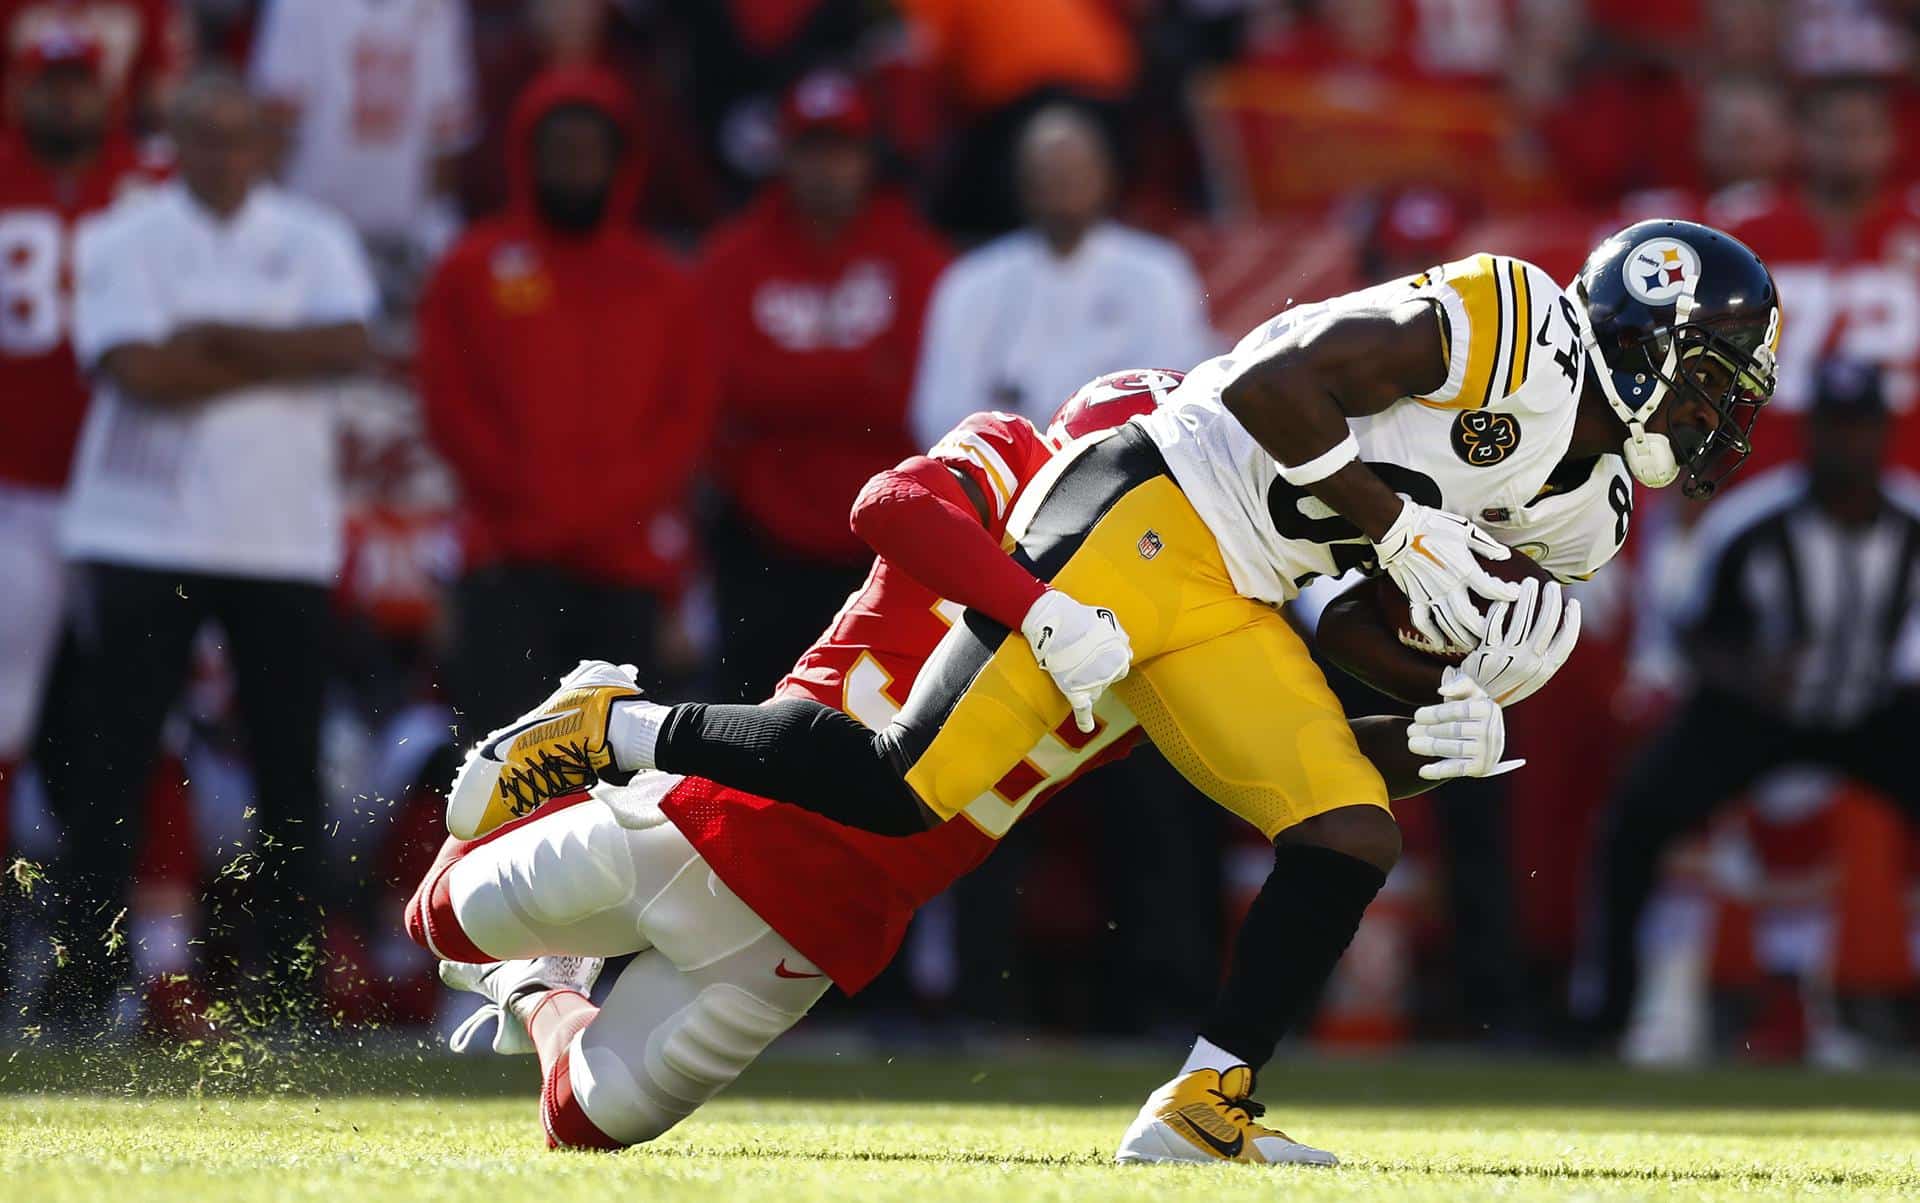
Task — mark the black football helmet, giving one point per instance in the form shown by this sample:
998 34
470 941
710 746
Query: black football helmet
1657 297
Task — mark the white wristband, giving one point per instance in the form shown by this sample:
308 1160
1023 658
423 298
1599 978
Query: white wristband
1323 465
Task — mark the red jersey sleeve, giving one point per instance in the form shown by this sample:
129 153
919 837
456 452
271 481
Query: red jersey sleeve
1000 453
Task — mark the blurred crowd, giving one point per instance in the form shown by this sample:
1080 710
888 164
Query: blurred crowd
415 349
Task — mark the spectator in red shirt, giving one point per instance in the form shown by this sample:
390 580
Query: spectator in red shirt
567 382
516 40
816 296
1840 239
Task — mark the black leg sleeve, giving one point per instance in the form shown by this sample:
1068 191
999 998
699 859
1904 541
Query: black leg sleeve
793 750
1299 925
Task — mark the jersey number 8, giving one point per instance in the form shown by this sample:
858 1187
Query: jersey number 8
31 321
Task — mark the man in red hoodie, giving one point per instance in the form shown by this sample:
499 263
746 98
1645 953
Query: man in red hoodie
564 364
816 294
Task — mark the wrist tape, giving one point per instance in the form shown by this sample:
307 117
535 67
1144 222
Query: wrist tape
1321 466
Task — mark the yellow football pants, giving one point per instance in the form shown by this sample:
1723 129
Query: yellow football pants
1220 682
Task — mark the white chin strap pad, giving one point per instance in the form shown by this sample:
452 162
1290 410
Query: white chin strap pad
1649 457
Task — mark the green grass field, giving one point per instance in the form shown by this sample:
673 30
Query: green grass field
132 1128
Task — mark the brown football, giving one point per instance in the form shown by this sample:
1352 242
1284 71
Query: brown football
1398 614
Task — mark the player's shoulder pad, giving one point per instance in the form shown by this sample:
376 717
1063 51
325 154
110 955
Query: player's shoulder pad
996 426
1493 304
1000 447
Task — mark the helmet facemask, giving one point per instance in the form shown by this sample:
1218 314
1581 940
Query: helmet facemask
1669 362
1735 383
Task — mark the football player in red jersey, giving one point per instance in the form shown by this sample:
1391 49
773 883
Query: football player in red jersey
1844 244
751 907
58 163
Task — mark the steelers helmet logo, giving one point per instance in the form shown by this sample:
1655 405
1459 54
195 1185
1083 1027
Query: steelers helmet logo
1484 439
1661 270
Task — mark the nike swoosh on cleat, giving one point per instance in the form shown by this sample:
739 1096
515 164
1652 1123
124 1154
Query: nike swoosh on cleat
781 970
491 750
1225 1148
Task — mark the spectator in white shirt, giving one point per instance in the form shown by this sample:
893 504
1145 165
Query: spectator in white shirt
213 313
1026 319
376 97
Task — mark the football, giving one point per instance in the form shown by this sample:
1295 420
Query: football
1398 614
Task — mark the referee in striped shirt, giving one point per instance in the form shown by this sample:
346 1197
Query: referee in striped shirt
1803 638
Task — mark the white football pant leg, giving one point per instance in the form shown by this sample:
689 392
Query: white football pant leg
575 884
668 1040
713 988
35 581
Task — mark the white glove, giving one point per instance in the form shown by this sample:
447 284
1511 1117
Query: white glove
1429 554
1528 639
1465 733
1082 648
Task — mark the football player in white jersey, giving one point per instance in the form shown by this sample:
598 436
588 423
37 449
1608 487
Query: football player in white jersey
1373 431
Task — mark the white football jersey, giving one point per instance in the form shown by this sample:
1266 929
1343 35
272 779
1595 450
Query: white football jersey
1570 531
1482 445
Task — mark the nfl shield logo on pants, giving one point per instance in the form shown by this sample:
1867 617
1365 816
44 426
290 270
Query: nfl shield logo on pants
1150 544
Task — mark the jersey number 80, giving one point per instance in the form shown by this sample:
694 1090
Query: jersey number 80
1298 514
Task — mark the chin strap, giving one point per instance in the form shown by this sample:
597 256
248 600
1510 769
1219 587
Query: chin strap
1649 457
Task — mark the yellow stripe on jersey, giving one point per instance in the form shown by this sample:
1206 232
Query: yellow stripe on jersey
1489 330
1522 324
996 468
999 475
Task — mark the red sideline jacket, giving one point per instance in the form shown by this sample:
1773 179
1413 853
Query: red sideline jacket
566 378
817 350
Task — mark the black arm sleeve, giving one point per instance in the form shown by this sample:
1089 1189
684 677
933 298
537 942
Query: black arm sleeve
797 751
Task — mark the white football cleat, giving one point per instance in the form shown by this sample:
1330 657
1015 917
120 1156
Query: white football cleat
500 981
1207 1115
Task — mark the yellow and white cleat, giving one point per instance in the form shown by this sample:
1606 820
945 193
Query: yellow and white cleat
1208 1115
556 748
